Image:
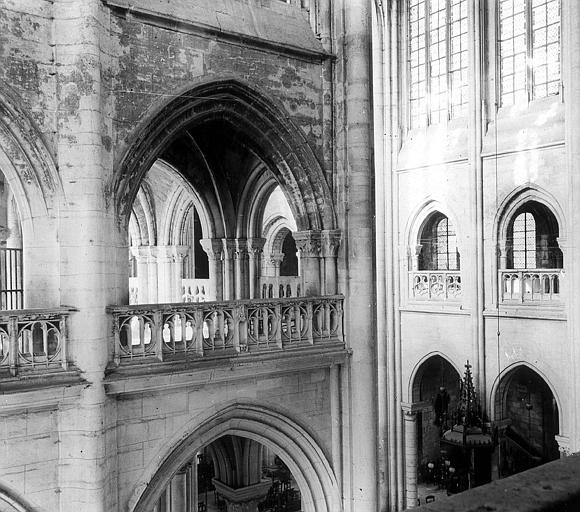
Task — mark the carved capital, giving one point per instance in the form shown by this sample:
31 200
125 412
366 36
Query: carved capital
213 247
331 242
243 499
229 248
181 251
164 252
309 243
409 411
256 246
276 258
564 445
4 234
241 248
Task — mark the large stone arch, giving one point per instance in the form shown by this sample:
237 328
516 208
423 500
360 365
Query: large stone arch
296 447
266 130
25 159
10 501
30 170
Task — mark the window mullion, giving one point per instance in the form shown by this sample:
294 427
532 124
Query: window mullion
529 34
427 61
448 56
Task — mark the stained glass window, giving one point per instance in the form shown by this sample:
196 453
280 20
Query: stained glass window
438 64
524 241
529 47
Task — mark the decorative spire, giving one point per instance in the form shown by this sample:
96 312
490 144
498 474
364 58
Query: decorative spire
468 410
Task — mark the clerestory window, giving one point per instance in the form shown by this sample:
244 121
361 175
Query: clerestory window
438 61
529 49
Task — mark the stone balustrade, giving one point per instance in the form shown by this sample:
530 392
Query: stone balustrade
537 285
436 285
33 340
194 330
195 290
281 286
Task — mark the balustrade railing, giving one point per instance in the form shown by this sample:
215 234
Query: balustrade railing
195 290
435 285
281 286
33 339
190 330
535 285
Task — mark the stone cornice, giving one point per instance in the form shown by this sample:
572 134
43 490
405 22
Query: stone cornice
171 22
226 368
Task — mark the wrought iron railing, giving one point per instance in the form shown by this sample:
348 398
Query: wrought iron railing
191 330
11 280
33 339
536 285
437 285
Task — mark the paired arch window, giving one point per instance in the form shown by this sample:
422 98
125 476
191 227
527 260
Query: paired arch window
529 49
438 60
532 240
438 244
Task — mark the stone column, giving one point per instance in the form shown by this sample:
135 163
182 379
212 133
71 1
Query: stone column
358 209
241 268
276 258
89 242
410 432
165 279
179 253
309 244
178 487
255 247
330 245
13 223
229 247
213 247
243 499
152 274
192 490
571 91
141 254
415 257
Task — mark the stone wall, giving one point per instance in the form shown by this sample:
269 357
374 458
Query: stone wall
147 423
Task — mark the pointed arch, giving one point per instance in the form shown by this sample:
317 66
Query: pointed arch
26 161
298 450
516 199
266 129
419 367
510 370
420 216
